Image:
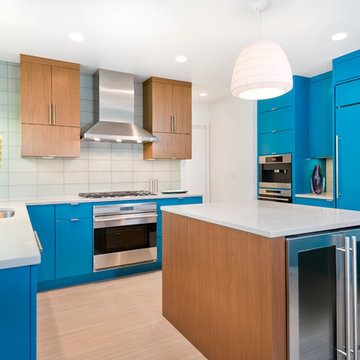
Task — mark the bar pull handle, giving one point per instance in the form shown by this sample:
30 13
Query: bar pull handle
54 113
49 113
74 219
174 123
354 284
38 242
347 299
337 165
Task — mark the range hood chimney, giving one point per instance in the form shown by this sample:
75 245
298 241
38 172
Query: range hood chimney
114 110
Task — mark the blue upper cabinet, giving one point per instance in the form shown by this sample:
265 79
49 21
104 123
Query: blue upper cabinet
346 67
279 142
321 116
42 219
273 104
276 120
347 93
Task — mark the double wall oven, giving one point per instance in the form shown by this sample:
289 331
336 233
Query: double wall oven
275 178
124 234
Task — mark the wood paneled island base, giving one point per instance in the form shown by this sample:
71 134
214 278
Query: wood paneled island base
225 289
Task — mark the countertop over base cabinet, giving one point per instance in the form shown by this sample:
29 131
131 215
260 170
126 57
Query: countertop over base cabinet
50 107
168 116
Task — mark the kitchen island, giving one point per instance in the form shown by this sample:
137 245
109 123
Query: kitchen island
226 277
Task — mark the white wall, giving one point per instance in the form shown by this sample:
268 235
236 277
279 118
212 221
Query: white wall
232 149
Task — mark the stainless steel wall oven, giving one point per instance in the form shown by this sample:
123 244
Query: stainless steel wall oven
275 171
124 234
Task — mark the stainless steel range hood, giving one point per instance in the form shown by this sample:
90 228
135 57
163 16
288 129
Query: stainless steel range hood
114 110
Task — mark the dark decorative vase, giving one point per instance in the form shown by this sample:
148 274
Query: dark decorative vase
317 180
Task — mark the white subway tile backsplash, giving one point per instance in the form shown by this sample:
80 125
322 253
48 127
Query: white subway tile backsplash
22 178
22 191
80 177
76 165
50 165
22 165
50 190
121 165
71 189
51 178
100 167
121 177
100 177
142 165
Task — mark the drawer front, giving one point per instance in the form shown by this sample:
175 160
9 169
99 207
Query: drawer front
346 69
287 99
281 119
190 200
348 93
74 211
314 202
280 142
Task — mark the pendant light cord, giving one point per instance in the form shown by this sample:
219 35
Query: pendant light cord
259 23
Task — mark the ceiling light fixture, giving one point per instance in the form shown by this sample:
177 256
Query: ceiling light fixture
203 94
262 70
339 36
181 59
76 36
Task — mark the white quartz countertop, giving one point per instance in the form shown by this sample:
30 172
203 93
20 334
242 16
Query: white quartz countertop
270 219
18 246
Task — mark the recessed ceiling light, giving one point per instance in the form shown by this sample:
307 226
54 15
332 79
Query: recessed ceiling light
76 36
203 94
181 59
339 36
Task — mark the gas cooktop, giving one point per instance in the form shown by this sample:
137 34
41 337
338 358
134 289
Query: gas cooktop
99 195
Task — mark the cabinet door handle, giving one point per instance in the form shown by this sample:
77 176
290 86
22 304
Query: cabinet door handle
175 123
54 113
38 241
274 131
273 109
355 300
49 113
74 220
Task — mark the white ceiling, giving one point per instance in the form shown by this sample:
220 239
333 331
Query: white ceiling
144 36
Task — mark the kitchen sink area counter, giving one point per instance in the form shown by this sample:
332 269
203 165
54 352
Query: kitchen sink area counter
18 246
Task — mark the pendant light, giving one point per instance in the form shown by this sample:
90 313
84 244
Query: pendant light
262 70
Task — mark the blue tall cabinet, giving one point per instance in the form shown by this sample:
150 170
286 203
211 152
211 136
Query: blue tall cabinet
283 124
347 114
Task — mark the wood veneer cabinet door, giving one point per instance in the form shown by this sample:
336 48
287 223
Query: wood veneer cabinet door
39 140
169 146
182 99
35 80
49 140
66 96
162 111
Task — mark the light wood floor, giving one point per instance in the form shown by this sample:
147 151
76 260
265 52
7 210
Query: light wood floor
115 319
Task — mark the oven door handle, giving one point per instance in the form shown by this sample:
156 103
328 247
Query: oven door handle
273 198
123 217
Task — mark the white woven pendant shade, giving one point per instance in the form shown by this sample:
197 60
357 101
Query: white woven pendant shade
262 71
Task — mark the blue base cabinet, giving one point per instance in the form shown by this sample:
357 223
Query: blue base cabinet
42 219
74 247
66 234
18 313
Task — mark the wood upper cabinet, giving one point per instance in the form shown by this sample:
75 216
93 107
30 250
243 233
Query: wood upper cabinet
35 93
66 96
168 115
50 107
